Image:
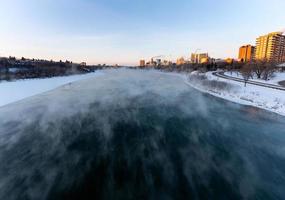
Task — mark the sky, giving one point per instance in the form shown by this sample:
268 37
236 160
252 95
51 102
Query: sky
125 31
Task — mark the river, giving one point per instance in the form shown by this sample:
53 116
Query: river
134 134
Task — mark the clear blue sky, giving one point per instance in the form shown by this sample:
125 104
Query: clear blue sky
124 31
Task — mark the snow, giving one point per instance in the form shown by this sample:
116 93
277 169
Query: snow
11 92
265 98
278 76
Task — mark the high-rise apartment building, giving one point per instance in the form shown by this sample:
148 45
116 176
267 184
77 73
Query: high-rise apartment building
246 53
271 47
200 58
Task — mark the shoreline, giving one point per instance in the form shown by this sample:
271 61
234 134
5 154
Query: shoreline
236 99
19 90
232 95
223 95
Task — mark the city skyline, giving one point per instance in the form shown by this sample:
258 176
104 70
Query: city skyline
123 31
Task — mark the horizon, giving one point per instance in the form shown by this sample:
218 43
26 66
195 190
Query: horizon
123 32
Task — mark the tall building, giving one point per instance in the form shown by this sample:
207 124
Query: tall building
142 63
180 61
271 47
200 58
229 60
246 53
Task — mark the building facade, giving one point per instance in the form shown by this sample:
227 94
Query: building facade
180 61
229 60
142 63
246 53
271 47
200 58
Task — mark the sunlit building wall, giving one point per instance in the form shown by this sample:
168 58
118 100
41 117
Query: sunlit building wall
229 60
246 53
142 63
271 47
200 58
180 61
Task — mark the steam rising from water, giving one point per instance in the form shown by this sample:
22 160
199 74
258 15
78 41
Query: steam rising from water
138 135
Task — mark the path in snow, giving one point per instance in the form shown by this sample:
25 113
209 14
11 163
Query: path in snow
262 84
278 77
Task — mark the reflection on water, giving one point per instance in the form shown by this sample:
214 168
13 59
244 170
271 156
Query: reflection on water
139 135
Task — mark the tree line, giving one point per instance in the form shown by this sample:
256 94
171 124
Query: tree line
13 69
261 69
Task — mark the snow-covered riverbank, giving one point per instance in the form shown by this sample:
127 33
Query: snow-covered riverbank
261 97
265 98
11 92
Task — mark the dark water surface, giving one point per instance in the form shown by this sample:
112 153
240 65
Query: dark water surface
139 135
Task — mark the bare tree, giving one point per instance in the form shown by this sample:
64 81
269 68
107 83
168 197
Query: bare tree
259 66
269 70
246 72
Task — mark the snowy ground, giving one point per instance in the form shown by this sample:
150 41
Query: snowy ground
17 90
265 98
274 80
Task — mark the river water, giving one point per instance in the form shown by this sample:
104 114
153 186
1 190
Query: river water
139 135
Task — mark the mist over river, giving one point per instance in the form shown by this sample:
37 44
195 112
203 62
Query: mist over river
133 134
